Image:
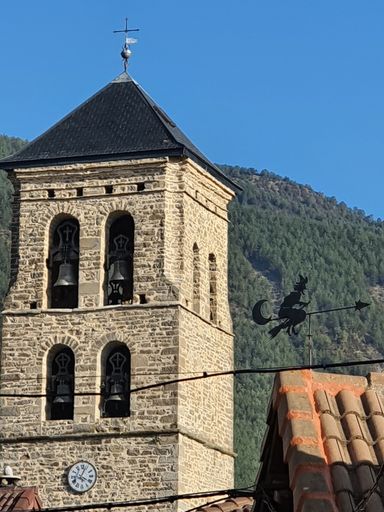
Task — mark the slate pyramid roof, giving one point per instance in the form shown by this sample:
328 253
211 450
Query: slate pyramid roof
119 121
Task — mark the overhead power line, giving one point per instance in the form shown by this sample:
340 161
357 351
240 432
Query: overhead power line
361 506
206 375
153 501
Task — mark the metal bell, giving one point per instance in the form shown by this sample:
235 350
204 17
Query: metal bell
66 275
117 393
63 394
120 271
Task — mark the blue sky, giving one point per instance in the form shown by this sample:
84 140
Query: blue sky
296 87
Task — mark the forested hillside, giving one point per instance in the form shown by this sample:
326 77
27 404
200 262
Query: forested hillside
8 145
279 229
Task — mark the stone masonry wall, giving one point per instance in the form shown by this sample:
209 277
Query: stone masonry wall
119 460
178 437
92 209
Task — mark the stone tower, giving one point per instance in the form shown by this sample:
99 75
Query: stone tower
119 281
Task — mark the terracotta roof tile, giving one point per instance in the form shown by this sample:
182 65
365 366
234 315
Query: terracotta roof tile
332 432
230 505
348 403
372 402
19 499
379 449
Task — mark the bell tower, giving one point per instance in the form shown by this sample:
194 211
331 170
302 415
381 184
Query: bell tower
119 281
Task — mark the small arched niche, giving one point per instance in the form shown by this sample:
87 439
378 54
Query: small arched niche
212 265
196 278
60 383
115 380
63 263
118 286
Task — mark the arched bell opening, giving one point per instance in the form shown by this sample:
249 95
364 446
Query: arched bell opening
116 381
60 383
119 259
63 264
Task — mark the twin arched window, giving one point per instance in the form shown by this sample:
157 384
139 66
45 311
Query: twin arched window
64 255
114 385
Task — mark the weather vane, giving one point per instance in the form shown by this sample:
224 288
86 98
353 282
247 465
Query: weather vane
292 313
126 52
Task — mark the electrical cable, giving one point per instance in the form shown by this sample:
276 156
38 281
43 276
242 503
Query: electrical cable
206 375
360 507
148 501
209 503
18 378
267 501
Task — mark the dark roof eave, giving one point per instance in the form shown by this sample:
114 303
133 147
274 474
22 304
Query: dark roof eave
9 164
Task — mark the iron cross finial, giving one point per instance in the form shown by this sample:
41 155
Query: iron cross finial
126 52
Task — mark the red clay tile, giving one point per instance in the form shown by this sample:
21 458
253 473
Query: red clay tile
309 480
302 455
336 451
360 452
326 402
366 477
20 499
348 402
371 402
376 379
341 478
241 504
355 428
330 427
379 451
294 404
297 432
345 502
376 425
316 504
374 504
292 379
337 381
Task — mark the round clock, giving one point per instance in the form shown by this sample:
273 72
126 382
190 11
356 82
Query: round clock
82 476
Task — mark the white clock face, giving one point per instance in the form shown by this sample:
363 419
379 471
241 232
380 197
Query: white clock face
82 476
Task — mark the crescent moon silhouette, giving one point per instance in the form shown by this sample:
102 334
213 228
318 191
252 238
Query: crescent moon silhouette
258 318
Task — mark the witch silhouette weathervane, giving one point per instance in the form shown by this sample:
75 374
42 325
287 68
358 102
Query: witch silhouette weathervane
292 312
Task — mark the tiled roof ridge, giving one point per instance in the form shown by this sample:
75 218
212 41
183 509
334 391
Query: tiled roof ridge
332 428
300 429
